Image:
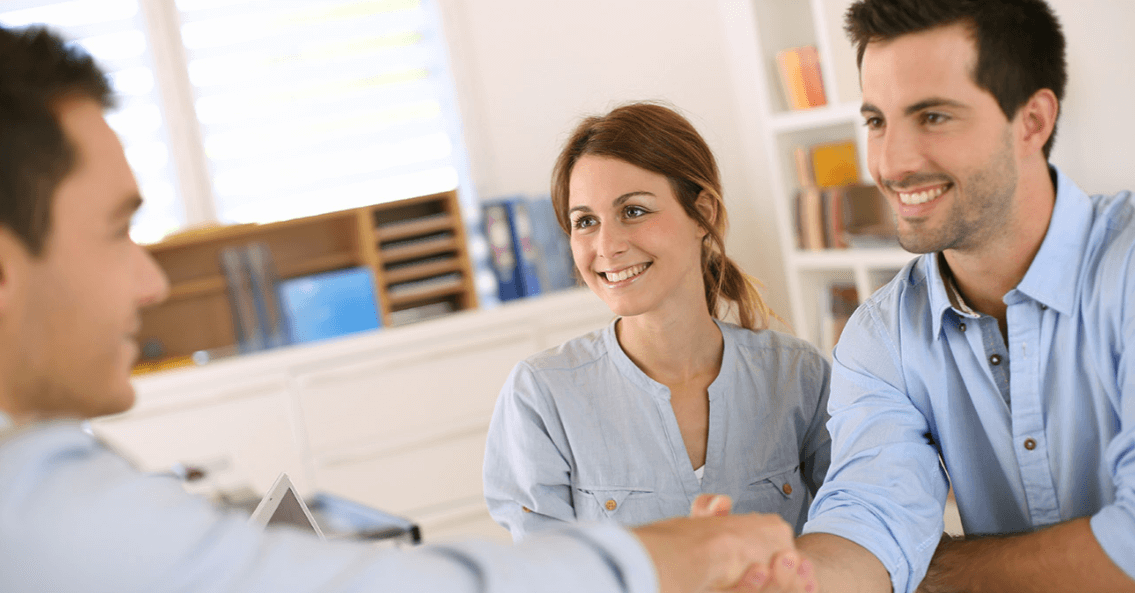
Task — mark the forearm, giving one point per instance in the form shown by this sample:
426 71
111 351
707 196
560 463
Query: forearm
843 566
1064 557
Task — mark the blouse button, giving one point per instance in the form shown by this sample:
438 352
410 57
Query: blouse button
1030 444
611 504
962 327
787 488
995 359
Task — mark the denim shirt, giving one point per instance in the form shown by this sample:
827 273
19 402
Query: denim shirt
74 516
581 433
1033 432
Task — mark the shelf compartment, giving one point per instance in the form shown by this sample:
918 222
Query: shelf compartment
412 228
442 286
325 263
416 270
420 248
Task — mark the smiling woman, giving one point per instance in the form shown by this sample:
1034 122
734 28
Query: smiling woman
632 422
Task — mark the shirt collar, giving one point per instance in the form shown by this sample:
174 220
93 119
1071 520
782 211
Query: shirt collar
1052 276
630 370
936 289
5 422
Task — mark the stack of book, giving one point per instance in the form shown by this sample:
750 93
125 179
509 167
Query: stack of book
834 210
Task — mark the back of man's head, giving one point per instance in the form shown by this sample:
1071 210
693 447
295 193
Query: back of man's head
1020 46
37 70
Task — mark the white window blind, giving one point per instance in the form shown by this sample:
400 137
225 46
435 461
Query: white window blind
308 107
114 33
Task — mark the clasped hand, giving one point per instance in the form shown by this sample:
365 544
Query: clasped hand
713 550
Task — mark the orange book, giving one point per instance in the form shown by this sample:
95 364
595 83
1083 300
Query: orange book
800 76
810 218
835 164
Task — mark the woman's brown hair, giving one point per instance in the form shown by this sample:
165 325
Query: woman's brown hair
657 139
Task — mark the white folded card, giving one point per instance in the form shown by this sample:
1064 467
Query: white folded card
284 506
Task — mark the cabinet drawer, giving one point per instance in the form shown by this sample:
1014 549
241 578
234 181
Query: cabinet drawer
414 481
244 441
409 397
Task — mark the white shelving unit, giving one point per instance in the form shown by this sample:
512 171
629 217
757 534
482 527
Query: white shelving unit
775 25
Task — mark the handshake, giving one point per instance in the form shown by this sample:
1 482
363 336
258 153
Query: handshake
713 550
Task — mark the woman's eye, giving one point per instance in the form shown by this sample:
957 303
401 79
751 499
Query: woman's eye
634 211
582 222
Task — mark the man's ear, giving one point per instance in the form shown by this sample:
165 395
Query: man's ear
708 207
1037 119
14 257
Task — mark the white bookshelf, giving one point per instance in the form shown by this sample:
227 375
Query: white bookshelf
758 29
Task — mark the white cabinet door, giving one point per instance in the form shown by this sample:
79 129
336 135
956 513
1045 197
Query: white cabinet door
417 482
411 396
244 435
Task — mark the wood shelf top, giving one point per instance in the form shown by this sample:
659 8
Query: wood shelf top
213 284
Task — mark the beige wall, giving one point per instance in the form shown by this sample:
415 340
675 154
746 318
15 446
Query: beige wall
527 69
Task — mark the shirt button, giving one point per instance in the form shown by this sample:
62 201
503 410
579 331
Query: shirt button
995 359
611 504
1044 307
787 488
962 327
1030 444
526 509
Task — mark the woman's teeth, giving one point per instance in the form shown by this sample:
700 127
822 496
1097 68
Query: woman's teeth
624 274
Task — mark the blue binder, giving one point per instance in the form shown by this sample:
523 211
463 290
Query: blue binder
527 253
330 304
503 254
556 265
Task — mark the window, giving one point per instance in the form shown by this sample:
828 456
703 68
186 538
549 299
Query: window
114 32
254 110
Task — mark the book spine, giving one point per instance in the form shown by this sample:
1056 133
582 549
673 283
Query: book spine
800 76
811 80
503 259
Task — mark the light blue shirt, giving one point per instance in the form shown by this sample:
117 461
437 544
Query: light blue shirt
581 433
1034 432
75 516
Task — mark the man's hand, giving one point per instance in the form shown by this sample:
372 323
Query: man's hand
729 553
787 571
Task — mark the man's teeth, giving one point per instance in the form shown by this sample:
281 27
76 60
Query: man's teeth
624 274
922 196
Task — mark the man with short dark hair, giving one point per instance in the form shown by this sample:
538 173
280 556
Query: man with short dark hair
75 516
1007 351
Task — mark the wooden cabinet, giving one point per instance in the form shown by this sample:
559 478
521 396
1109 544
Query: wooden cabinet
416 249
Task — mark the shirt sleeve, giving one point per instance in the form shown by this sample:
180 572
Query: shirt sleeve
885 489
75 514
816 452
527 471
1114 525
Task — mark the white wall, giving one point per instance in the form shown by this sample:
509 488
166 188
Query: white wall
528 69
1095 143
